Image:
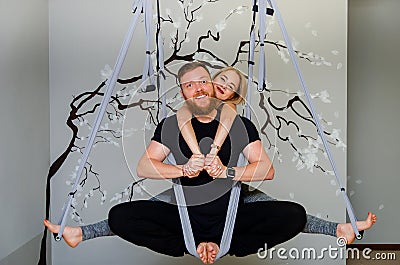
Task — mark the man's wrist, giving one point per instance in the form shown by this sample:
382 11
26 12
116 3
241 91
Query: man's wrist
230 172
223 174
183 170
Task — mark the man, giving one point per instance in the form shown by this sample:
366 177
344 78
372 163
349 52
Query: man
156 224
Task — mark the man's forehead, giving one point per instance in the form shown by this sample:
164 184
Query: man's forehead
196 74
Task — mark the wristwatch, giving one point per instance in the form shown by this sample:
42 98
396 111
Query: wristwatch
230 172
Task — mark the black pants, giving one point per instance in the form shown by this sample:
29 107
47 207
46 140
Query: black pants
156 225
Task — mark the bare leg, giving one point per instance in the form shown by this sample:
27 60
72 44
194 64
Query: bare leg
208 252
346 230
72 235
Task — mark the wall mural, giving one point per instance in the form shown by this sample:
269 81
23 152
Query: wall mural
282 115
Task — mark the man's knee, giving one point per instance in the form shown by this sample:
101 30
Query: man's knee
299 214
117 217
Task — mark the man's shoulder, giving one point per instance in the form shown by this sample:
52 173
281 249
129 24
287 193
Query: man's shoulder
168 120
244 126
246 122
245 119
168 124
165 129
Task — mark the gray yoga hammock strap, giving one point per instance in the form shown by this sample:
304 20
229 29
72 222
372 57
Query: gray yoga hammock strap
185 220
349 208
262 31
148 70
138 7
250 62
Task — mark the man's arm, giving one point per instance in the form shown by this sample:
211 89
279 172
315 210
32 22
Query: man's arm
151 164
260 166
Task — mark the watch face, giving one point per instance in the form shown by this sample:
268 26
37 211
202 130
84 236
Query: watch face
230 172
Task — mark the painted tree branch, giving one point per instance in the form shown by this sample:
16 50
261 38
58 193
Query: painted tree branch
85 105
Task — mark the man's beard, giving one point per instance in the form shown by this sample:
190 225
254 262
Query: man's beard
196 110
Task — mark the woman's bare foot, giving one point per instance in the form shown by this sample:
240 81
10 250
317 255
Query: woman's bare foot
207 252
346 230
72 235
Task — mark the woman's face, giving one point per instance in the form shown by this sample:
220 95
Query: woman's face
226 84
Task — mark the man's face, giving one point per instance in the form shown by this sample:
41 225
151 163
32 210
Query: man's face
198 91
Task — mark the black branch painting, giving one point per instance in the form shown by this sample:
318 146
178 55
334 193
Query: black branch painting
281 108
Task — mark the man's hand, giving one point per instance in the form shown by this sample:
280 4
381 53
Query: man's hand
194 166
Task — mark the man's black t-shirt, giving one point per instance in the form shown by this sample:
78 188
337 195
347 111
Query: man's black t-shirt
207 198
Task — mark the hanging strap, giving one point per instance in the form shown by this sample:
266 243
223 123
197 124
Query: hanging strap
160 64
148 70
293 57
262 16
252 44
183 212
231 215
137 7
185 220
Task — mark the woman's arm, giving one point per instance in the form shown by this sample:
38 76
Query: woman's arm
228 114
184 115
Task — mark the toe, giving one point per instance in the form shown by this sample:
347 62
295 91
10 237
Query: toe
52 227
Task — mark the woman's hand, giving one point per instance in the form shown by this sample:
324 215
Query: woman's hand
194 166
214 166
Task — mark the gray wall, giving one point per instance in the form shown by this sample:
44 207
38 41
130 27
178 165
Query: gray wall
80 46
373 109
24 134
24 113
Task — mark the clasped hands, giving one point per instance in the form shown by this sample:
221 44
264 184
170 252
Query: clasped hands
198 162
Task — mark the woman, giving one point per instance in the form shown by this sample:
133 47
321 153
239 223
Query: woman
230 88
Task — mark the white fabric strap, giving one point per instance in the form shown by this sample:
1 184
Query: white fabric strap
230 220
102 109
148 70
231 215
184 217
293 57
183 212
161 75
252 45
262 15
185 220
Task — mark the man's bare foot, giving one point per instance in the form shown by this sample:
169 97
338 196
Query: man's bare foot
72 235
212 251
346 230
208 252
202 251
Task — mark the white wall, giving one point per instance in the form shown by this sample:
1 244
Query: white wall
86 35
373 138
24 117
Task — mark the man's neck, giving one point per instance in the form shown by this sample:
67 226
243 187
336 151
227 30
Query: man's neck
207 117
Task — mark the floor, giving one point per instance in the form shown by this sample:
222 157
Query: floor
375 257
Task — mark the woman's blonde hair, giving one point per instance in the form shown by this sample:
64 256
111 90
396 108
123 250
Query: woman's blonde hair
241 91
